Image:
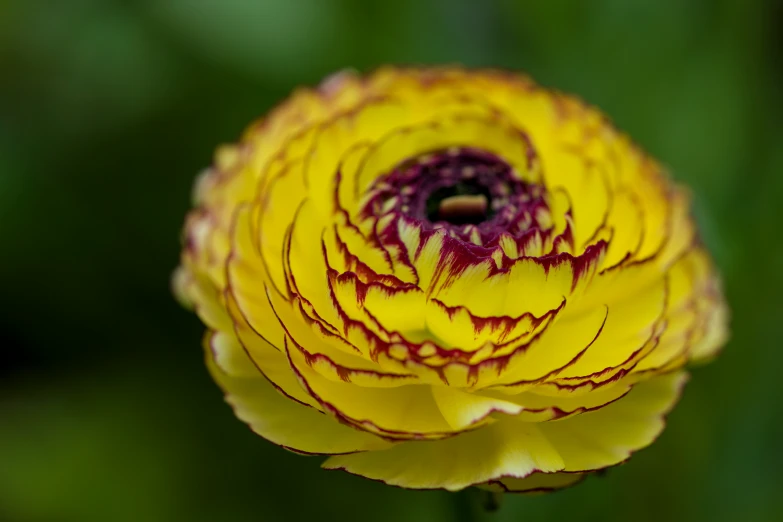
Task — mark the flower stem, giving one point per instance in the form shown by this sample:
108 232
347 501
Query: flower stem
492 501
466 506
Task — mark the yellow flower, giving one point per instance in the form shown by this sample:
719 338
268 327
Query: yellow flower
445 278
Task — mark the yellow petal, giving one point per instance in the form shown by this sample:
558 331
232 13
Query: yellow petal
376 307
244 345
328 353
401 412
696 317
529 285
680 227
458 327
608 436
288 423
686 285
557 347
307 268
630 324
716 332
502 449
473 126
246 277
589 188
355 253
280 202
535 483
228 355
626 222
462 409
206 301
538 407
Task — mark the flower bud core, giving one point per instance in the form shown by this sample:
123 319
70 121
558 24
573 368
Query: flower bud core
469 192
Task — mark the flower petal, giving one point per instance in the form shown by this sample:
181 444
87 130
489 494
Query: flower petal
512 448
246 275
502 449
326 352
248 346
286 422
399 412
630 324
608 436
538 407
556 348
462 409
535 483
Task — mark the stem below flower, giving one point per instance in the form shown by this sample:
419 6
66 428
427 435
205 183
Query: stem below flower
466 506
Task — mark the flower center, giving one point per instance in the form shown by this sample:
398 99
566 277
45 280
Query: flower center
461 204
464 190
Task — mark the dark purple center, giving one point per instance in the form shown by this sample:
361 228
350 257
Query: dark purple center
464 190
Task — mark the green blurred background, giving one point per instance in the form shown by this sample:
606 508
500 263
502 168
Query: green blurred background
109 109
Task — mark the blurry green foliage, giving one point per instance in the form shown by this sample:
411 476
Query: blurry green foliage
108 109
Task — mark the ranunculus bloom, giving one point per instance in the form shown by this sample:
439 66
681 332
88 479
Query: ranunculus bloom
445 278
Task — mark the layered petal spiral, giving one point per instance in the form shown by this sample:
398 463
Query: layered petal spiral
443 278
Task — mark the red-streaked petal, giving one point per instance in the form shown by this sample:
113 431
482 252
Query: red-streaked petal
286 422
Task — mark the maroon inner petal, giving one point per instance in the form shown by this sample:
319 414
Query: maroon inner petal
462 190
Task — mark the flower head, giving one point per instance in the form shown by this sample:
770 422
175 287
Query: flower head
445 278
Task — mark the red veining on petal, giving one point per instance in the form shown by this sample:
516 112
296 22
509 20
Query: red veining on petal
492 323
560 414
552 373
657 328
662 416
261 373
344 373
365 273
392 435
361 293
